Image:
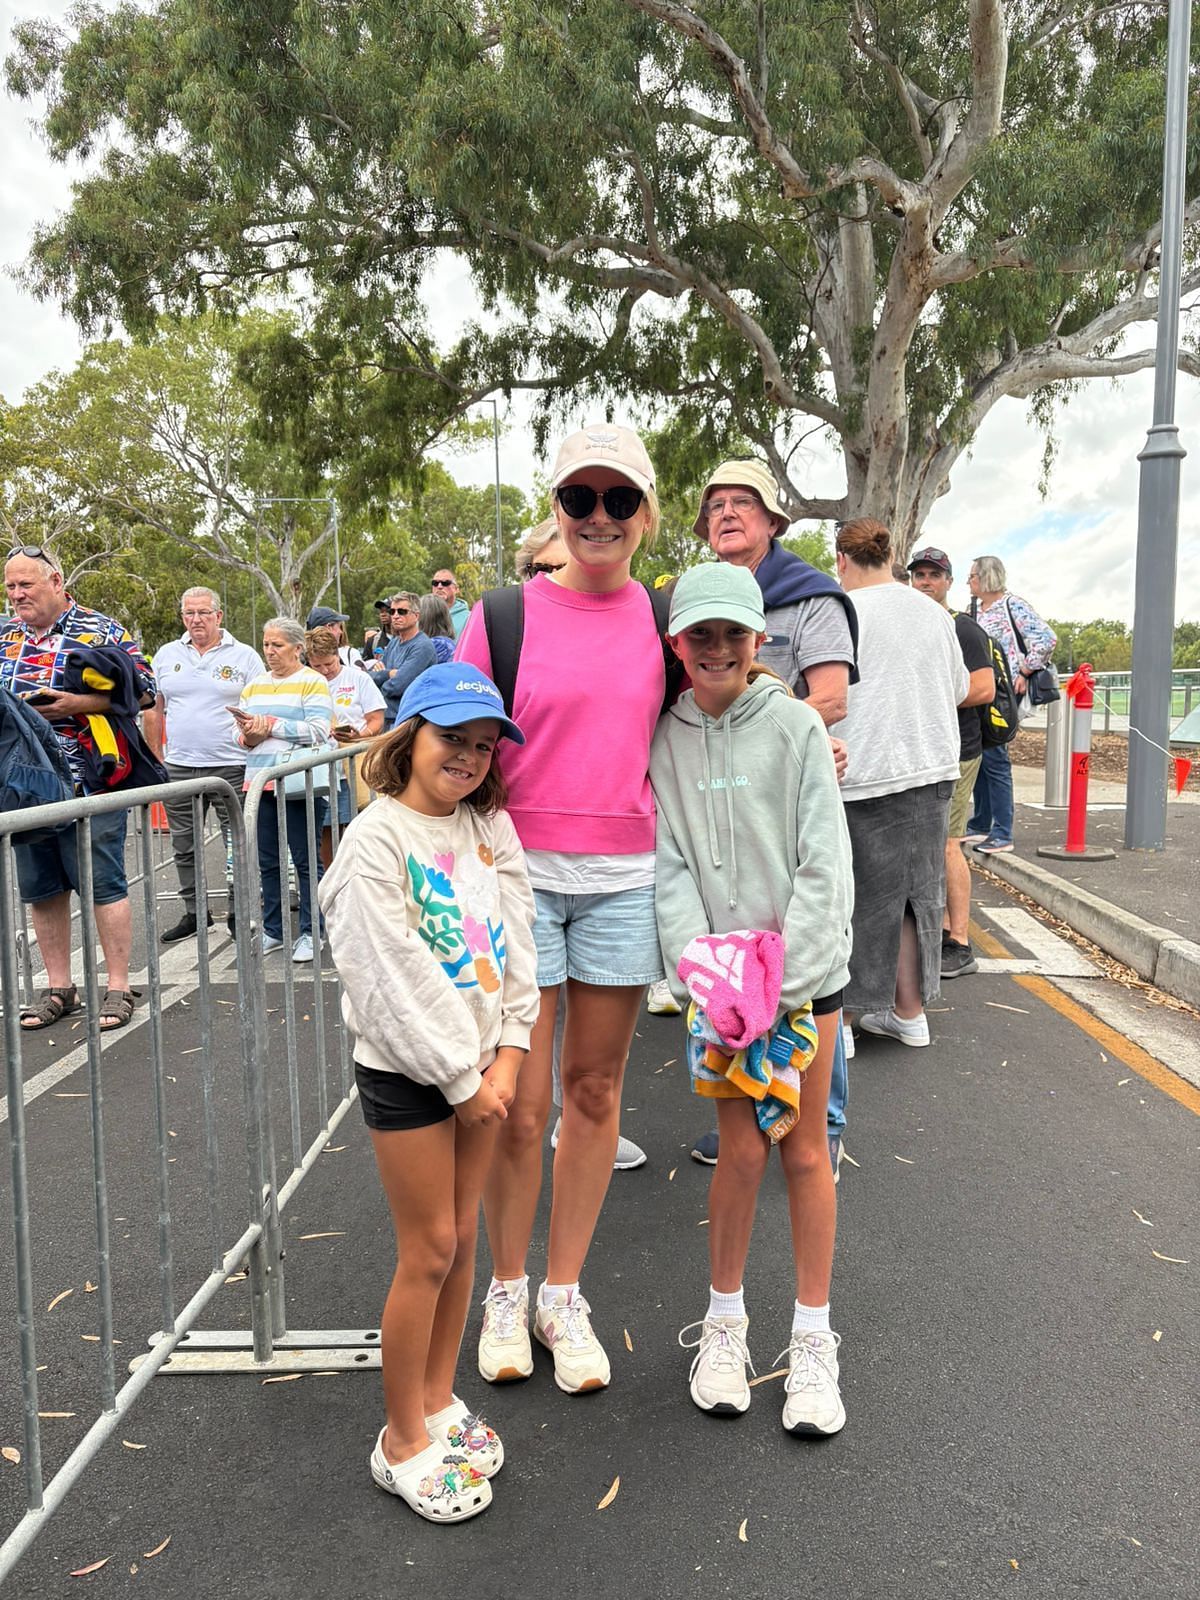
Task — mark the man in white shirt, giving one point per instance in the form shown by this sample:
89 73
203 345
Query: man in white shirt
202 677
327 617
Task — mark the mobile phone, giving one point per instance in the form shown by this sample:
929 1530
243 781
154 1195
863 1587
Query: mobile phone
41 697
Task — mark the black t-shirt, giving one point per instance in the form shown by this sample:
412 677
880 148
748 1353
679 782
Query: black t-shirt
976 652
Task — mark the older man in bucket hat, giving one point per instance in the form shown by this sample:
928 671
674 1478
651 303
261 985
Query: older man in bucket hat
812 638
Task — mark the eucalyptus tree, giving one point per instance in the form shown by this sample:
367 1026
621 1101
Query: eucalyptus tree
750 219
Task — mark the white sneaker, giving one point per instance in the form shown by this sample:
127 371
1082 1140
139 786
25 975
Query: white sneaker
565 1328
847 1041
913 1031
812 1402
302 950
718 1376
269 944
505 1354
629 1155
660 1002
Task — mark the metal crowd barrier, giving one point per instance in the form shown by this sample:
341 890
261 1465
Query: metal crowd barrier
318 1094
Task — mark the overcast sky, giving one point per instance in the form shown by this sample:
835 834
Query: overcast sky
1071 554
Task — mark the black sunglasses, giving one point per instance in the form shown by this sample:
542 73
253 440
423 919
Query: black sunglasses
35 552
442 583
579 500
536 567
401 611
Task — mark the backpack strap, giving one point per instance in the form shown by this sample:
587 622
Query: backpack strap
660 604
504 624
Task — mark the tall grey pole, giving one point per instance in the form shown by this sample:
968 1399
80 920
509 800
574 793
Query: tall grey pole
337 551
499 535
1158 489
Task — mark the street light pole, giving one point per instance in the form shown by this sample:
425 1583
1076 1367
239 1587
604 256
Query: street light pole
1158 488
499 536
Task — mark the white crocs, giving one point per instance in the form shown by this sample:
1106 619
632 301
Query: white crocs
438 1484
465 1433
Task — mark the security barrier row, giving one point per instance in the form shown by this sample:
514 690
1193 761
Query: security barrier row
205 1234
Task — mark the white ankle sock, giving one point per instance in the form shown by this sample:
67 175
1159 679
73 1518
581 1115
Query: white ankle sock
726 1305
548 1291
811 1319
514 1288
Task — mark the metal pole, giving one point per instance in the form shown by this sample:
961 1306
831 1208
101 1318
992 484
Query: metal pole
499 543
1058 754
337 551
1158 489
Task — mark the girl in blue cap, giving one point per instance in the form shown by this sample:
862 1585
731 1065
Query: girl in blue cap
754 892
430 916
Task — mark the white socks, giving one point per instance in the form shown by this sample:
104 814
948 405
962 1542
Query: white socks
726 1305
514 1288
548 1292
811 1319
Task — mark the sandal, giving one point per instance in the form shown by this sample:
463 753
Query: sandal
440 1486
465 1433
116 1008
52 1005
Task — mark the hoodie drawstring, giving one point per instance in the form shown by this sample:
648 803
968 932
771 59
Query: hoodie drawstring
733 883
714 848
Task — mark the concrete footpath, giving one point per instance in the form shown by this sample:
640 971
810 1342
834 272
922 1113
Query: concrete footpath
1142 908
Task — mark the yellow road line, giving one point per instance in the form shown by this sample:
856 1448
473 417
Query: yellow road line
1116 1044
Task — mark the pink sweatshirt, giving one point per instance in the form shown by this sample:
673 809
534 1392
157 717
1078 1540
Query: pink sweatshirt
589 689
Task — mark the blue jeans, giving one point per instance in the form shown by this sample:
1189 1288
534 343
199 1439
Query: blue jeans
993 813
296 827
839 1086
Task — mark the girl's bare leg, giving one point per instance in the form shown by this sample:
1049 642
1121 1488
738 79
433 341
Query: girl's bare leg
473 1149
733 1193
599 1031
812 1198
417 1167
513 1185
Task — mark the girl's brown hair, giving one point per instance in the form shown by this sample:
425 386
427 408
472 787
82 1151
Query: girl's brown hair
759 669
387 768
865 542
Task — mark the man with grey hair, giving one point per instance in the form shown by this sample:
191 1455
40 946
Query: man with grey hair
200 678
405 655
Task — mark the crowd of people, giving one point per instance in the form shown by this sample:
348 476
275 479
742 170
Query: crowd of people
741 799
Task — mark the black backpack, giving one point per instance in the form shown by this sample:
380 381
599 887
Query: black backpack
504 621
999 721
33 769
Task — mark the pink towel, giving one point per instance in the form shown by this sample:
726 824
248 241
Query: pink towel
736 978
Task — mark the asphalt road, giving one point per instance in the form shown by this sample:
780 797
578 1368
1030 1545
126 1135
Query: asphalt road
1015 1426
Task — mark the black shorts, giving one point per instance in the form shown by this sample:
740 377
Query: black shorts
827 1004
392 1103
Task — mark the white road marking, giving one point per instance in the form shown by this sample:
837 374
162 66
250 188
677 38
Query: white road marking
1052 955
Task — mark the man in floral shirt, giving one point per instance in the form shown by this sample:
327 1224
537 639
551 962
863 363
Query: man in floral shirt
45 624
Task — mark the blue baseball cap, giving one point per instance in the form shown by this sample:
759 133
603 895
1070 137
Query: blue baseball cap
455 692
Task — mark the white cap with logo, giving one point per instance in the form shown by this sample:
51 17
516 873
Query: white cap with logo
604 444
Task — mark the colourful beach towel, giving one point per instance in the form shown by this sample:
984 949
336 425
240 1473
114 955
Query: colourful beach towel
770 1069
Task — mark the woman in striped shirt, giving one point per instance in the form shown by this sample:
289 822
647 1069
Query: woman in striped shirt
281 714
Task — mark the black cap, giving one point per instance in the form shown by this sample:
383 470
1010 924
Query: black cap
931 557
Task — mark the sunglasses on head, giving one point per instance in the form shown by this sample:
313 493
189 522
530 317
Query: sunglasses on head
545 567
620 502
35 552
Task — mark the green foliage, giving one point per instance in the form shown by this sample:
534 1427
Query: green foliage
631 241
193 457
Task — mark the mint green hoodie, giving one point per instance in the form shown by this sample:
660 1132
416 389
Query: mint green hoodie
751 834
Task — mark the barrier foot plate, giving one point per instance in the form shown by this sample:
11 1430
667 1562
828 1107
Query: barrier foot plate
1091 852
300 1350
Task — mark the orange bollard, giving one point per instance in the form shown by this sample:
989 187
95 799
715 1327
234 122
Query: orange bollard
1081 692
158 817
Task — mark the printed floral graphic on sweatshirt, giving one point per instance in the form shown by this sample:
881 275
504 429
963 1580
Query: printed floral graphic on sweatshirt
459 902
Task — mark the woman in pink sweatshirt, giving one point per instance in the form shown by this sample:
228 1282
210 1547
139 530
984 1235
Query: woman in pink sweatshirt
588 693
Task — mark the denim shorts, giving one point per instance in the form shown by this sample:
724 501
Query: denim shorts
606 939
50 867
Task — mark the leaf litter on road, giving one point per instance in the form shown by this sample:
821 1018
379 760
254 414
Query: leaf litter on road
1174 1260
59 1298
82 1572
611 1495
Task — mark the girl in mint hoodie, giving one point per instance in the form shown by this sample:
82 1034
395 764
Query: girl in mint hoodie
751 839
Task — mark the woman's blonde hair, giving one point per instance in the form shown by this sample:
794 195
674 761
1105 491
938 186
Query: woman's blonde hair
532 545
320 642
